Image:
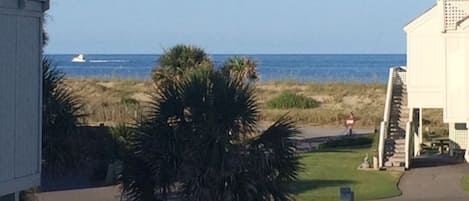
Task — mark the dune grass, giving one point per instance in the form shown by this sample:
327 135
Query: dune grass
325 171
122 101
117 101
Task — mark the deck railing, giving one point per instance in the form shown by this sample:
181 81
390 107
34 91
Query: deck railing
387 112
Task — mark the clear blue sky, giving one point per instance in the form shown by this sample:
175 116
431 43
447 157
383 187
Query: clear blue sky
231 26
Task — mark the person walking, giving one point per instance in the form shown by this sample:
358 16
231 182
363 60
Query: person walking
349 122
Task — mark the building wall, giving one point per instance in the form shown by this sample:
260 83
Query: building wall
20 101
425 61
458 135
457 72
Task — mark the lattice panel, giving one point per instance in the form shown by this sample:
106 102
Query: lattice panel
454 12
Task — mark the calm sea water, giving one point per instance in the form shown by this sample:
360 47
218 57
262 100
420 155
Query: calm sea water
303 68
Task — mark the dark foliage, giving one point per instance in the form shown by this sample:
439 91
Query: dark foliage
348 142
200 142
175 62
61 116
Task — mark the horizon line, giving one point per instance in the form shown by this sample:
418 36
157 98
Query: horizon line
231 53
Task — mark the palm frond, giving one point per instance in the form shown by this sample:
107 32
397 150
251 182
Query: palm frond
193 144
176 61
242 68
62 113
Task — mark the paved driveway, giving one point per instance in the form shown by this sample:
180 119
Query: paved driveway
441 183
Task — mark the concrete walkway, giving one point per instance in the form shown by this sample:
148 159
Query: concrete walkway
441 183
110 193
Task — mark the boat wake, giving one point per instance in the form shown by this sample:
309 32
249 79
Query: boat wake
109 61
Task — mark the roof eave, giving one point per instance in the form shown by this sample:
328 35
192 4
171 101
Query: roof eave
409 25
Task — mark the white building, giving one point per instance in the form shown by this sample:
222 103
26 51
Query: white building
20 99
436 76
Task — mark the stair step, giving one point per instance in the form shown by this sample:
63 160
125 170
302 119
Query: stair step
394 164
399 154
397 168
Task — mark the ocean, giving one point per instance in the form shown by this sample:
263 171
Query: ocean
363 68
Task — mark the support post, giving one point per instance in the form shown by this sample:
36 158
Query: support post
466 154
420 131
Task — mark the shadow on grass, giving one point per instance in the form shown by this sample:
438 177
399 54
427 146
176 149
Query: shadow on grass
308 185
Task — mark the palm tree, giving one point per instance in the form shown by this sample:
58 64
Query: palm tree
62 112
241 67
200 141
176 61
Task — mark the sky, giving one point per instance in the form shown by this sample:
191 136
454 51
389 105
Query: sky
231 26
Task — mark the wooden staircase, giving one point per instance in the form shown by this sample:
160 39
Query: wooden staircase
394 143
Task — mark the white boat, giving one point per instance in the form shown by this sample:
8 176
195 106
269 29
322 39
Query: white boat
79 59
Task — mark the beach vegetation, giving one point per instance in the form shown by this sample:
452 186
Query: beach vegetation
287 100
365 100
62 114
241 67
178 60
129 102
200 141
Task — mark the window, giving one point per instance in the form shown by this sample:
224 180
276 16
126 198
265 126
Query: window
460 126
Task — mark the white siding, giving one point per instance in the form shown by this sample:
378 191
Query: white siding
425 61
456 97
27 97
8 3
7 98
20 95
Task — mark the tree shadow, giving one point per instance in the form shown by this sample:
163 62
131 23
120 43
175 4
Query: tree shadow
332 151
307 185
435 161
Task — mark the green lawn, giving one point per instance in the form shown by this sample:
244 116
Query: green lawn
465 183
327 170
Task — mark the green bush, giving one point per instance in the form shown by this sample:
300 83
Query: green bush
288 100
347 142
129 102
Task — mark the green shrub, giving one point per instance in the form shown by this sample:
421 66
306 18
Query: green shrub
129 102
288 100
347 142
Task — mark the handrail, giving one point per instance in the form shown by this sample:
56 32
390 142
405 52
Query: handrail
382 131
408 139
386 116
387 106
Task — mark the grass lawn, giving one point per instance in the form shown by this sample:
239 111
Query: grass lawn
327 170
465 183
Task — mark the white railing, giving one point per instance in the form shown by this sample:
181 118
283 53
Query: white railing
387 113
382 136
408 142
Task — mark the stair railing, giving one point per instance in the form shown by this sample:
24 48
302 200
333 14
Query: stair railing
387 113
408 141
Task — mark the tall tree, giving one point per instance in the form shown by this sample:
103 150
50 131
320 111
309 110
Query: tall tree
242 68
200 142
176 61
